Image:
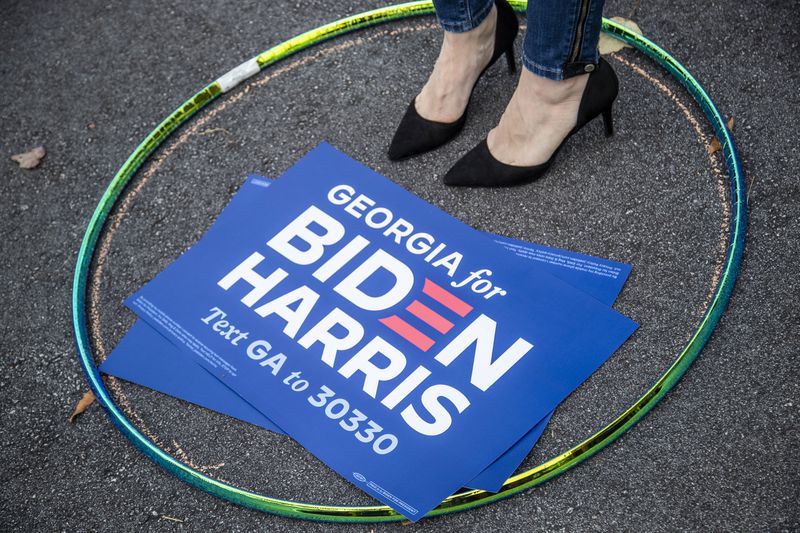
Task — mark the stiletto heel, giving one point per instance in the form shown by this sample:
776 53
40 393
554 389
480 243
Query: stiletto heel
512 64
479 168
416 134
608 122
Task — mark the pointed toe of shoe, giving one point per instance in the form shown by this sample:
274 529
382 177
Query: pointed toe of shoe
416 135
465 173
403 146
396 152
474 169
479 168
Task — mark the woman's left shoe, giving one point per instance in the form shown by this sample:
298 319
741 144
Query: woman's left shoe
479 168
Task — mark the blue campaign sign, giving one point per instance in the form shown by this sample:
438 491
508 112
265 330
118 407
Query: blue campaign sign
146 358
601 278
493 476
149 359
382 334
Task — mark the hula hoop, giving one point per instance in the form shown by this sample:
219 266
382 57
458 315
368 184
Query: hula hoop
463 500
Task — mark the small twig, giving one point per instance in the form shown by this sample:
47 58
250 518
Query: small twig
212 131
635 9
171 518
750 189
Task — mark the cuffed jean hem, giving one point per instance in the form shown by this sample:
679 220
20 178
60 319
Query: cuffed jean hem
559 73
473 20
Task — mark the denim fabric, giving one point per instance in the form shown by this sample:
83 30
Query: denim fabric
556 44
458 16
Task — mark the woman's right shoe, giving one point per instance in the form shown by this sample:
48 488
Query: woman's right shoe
416 134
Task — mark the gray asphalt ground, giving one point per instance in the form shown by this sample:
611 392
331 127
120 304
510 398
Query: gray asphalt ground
719 454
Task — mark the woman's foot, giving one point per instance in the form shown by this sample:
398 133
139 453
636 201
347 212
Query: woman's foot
439 112
461 60
540 115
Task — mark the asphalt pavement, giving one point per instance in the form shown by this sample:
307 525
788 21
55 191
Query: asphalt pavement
89 80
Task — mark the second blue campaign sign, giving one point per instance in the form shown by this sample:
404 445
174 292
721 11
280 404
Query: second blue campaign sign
394 342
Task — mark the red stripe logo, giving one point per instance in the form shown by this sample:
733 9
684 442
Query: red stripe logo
427 316
446 298
408 332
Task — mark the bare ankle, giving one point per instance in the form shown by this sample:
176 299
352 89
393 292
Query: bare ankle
474 47
553 92
483 31
460 61
539 116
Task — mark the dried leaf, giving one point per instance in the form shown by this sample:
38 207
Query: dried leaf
609 45
91 126
83 404
30 159
714 145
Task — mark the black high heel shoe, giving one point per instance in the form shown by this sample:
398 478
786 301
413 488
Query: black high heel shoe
416 134
479 168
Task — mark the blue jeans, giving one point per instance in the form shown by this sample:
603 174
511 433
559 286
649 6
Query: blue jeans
561 39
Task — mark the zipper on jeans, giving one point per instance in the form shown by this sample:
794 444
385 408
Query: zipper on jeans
576 43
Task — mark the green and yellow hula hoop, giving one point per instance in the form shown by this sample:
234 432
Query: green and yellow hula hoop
462 500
